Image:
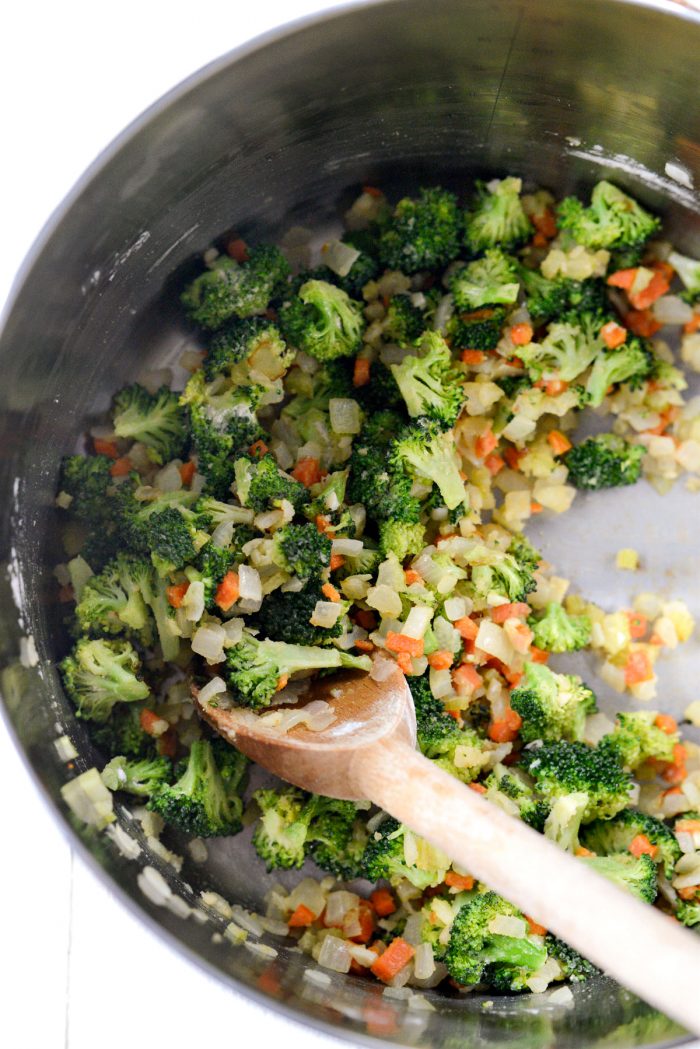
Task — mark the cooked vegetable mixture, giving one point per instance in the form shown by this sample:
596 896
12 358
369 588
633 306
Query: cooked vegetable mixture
348 472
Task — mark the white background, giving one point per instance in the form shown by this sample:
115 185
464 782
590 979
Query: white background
72 75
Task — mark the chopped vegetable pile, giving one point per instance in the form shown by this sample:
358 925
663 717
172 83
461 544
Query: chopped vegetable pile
348 472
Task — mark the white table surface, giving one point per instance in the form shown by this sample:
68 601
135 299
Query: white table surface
72 75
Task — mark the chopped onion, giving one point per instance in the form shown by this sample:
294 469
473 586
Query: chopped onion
423 961
337 906
233 630
222 534
417 622
441 683
386 600
686 841
269 520
326 613
307 893
362 955
382 669
508 925
250 586
455 608
88 799
169 478
317 716
335 955
670 309
687 871
208 641
79 571
492 639
339 257
597 726
347 547
215 687
444 311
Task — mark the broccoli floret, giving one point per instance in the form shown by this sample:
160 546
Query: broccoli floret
636 739
429 382
285 616
574 966
509 573
474 951
337 838
137 777
512 385
231 289
496 218
211 565
217 452
365 267
154 419
97 674
86 480
423 232
154 590
512 784
374 480
280 836
384 857
171 539
123 733
689 272
166 527
476 329
254 343
439 736
634 874
525 554
551 299
255 668
616 835
556 631
302 550
570 768
485 282
261 484
404 540
381 393
429 454
604 461
688 913
112 602
613 220
323 321
403 323
567 349
552 706
633 362
206 799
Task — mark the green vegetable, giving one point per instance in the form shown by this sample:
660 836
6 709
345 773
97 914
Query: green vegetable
636 739
633 874
616 835
556 631
136 777
231 289
323 321
604 461
423 233
156 420
485 282
97 674
496 218
475 952
562 768
206 799
553 706
429 382
613 219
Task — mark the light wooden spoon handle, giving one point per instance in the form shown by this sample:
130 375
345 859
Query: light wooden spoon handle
648 953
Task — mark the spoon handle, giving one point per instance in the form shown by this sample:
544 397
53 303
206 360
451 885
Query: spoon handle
648 952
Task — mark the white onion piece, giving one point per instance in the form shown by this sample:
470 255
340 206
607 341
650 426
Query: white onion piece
208 641
345 415
670 309
337 906
169 478
455 608
508 925
492 639
334 955
339 257
212 688
250 586
417 622
326 613
423 962
347 547
222 534
193 601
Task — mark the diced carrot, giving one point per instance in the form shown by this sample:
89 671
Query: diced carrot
66 594
505 729
466 680
269 982
535 507
513 456
473 357
622 279
166 744
364 645
103 447
321 523
455 715
463 882
365 917
403 643
121 467
441 660
227 592
187 472
307 471
237 249
689 892
282 682
558 442
676 771
638 625
478 787
534 928
666 723
361 371
485 443
381 1021
411 576
301 917
175 594
545 223
638 668
641 846
511 610
383 902
258 449
329 591
404 661
692 325
664 268
671 791
613 334
494 464
395 957
642 322
581 851
466 628
521 334
372 191
366 619
665 419
539 240
147 720
688 826
553 387
657 286
538 655
337 561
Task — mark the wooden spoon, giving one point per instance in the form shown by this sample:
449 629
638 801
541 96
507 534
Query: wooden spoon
368 753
